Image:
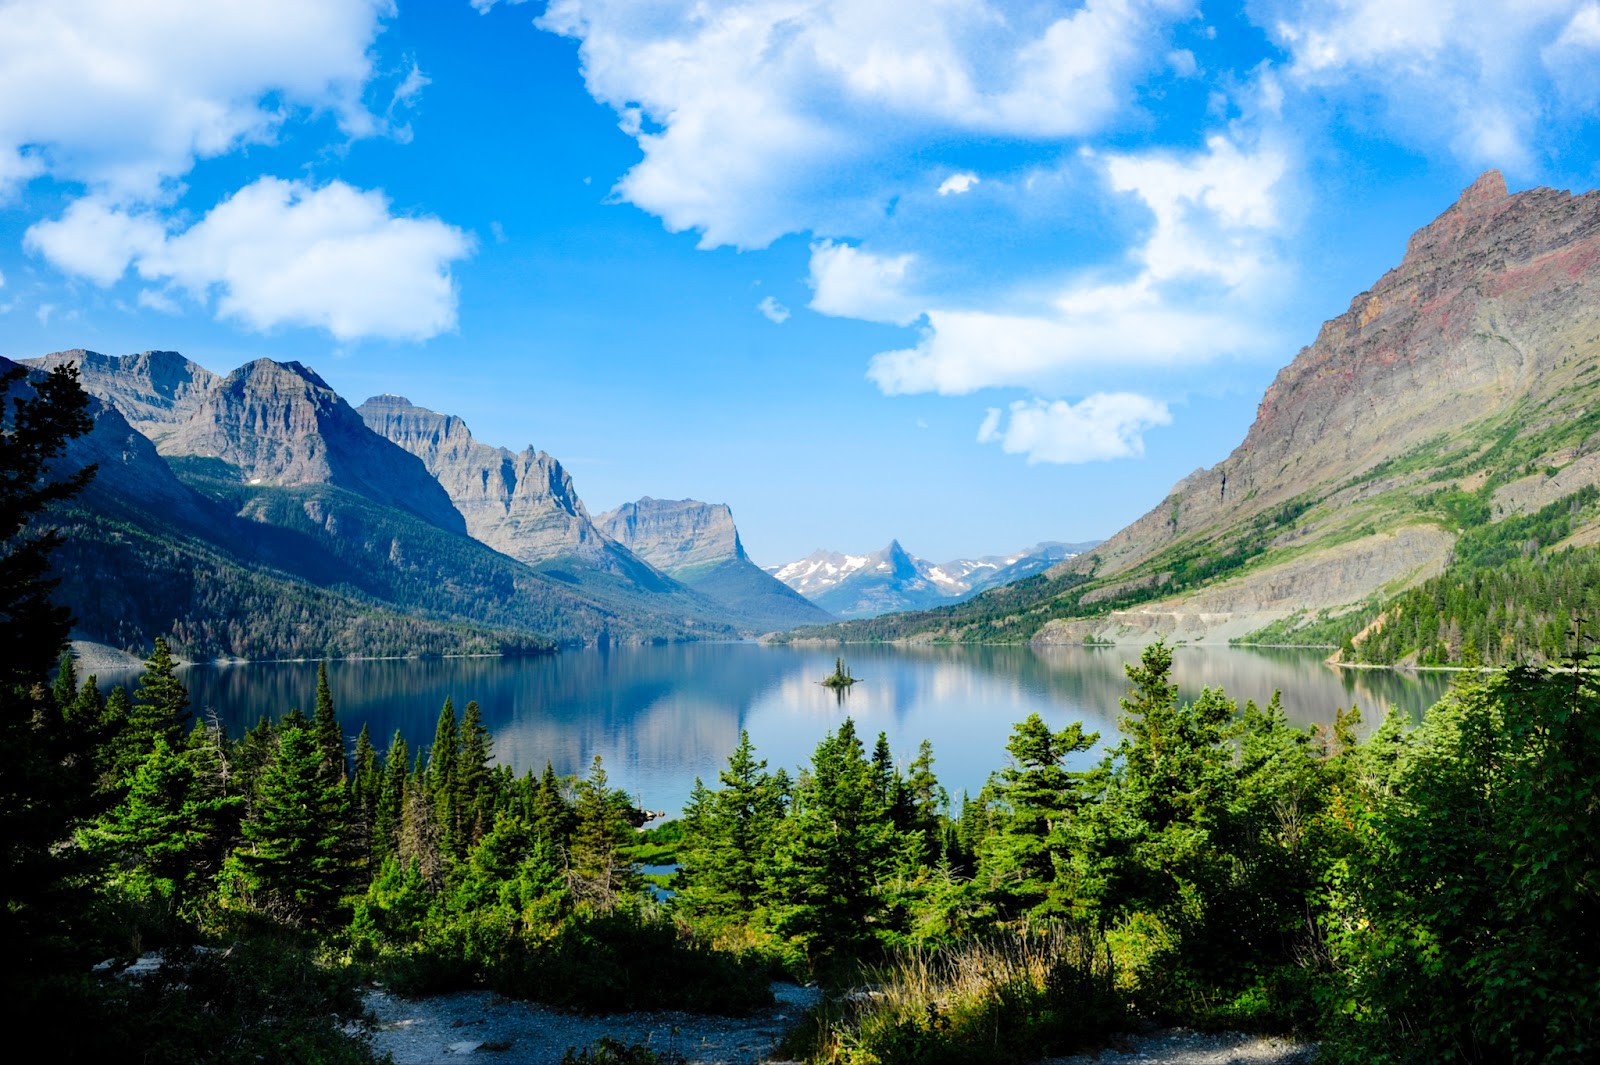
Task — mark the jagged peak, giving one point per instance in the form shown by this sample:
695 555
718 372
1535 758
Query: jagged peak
1488 190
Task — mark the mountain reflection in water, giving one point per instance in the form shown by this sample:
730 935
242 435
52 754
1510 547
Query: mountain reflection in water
661 716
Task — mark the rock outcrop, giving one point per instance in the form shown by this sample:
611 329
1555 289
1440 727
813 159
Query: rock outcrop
522 504
280 424
1496 303
698 544
155 391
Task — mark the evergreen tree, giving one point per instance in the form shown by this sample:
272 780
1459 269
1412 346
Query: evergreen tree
474 798
290 862
441 782
729 839
552 813
1034 802
160 704
325 725
391 804
46 773
598 874
836 851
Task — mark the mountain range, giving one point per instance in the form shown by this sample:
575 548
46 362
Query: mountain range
892 579
1459 396
258 515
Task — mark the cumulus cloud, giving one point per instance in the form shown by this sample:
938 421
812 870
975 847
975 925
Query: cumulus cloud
95 240
775 311
125 97
1474 71
762 117
1106 425
1214 219
956 184
848 282
278 253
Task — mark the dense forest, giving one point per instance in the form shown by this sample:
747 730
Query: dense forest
1423 894
1507 597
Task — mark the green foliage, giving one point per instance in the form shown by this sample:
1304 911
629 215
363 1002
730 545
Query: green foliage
1477 902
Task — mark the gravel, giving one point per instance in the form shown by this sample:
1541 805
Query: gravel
481 1024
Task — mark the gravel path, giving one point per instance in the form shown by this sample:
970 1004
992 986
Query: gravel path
1181 1046
447 1028
444 1028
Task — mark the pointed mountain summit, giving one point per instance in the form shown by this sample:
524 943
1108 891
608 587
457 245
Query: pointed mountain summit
698 544
893 579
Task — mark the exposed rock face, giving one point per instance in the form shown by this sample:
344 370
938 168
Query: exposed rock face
1497 301
1488 326
521 504
698 544
675 535
281 425
129 470
156 391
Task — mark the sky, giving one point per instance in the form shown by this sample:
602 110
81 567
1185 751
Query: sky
965 273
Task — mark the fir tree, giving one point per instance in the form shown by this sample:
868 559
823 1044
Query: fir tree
597 873
474 802
290 863
325 724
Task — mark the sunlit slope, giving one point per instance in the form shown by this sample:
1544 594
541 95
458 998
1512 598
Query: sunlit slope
1458 391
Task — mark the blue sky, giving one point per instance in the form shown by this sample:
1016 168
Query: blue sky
970 274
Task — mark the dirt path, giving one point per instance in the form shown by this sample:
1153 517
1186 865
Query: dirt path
445 1028
481 1024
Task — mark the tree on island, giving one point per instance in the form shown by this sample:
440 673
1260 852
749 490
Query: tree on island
840 678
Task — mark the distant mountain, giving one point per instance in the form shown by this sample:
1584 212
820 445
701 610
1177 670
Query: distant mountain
698 544
291 522
1428 426
864 586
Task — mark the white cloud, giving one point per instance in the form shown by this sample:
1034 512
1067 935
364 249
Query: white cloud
1102 426
95 240
1210 247
775 311
157 300
1469 72
280 253
125 97
957 184
763 117
847 282
483 7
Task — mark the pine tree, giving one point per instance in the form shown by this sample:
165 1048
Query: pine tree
441 782
729 839
325 724
1034 799
474 801
290 862
837 849
552 813
597 873
160 703
390 812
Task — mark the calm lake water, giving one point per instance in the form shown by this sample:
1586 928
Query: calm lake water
661 716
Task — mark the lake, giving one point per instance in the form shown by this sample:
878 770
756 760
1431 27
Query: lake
661 716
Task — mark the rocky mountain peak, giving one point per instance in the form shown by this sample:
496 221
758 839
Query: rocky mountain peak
675 535
155 391
1490 315
522 504
281 424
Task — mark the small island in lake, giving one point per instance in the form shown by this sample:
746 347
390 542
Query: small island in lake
840 679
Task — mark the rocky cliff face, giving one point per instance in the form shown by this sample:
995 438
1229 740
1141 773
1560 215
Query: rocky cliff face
698 544
155 391
675 535
1496 304
522 504
280 424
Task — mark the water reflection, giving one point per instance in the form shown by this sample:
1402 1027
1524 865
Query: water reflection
660 716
